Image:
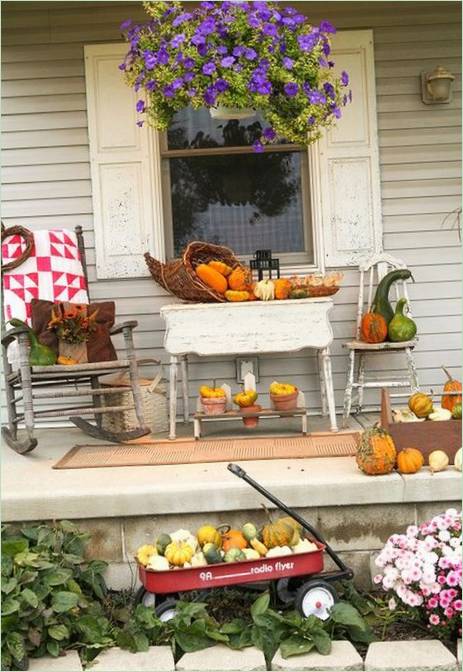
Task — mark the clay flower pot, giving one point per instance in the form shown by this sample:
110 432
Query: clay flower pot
249 410
285 402
214 405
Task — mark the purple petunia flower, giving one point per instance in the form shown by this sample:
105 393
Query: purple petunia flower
221 50
264 88
188 76
198 39
151 85
288 63
238 51
311 120
270 30
258 147
317 97
210 96
140 106
269 133
150 60
188 63
202 49
163 56
336 111
122 66
140 123
250 54
221 85
264 14
291 88
208 26
125 24
208 68
253 21
322 62
177 83
331 64
227 62
329 90
344 78
177 40
327 27
326 48
181 18
191 92
307 42
168 90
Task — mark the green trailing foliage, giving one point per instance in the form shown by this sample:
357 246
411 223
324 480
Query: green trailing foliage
52 597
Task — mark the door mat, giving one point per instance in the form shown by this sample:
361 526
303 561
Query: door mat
209 450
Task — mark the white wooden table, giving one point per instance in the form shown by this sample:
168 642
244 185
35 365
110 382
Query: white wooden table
258 327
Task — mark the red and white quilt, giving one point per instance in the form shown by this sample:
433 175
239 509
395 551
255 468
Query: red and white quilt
53 272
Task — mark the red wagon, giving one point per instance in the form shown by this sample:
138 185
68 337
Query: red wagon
298 578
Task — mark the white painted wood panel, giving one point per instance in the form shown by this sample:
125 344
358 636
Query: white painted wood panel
417 146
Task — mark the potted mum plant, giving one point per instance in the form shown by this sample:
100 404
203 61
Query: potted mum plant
235 58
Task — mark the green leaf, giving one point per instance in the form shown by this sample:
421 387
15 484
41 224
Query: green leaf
63 601
58 577
68 527
7 565
13 546
344 613
73 559
260 605
58 632
74 587
216 635
53 648
30 597
9 585
266 641
141 641
234 627
10 606
125 640
322 641
240 640
16 646
293 646
363 636
45 537
30 532
193 638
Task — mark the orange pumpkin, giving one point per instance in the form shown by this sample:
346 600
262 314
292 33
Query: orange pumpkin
376 453
282 288
373 328
238 279
212 278
452 385
250 291
409 460
220 267
233 539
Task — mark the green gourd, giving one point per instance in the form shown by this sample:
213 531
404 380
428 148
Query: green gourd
381 302
39 354
401 328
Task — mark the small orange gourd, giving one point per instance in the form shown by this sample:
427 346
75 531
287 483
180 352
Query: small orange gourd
282 288
238 279
234 296
212 278
376 453
221 267
420 404
452 385
233 539
409 460
373 328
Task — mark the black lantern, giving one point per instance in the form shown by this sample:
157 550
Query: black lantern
263 262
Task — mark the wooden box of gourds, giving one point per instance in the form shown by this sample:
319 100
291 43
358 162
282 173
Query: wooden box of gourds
427 435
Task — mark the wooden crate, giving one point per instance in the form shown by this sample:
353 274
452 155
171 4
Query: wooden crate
426 436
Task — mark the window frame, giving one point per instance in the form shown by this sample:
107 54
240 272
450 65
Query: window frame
291 263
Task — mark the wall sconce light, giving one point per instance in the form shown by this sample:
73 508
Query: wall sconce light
436 86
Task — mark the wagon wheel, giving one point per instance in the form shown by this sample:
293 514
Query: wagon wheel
315 598
164 605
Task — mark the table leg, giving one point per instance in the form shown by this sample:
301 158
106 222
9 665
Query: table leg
172 396
328 376
321 376
184 368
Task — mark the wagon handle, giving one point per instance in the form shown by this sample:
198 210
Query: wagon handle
238 471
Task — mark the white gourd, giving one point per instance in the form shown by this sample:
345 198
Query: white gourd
457 460
438 461
265 290
159 563
439 414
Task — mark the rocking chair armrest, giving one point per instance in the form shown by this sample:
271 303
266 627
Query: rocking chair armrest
119 328
12 335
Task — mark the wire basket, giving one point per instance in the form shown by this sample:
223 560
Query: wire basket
179 278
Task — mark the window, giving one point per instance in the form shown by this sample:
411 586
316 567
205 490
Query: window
216 188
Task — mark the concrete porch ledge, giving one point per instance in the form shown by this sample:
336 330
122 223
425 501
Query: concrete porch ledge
32 490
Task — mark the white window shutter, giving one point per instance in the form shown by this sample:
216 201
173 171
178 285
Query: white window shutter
125 170
350 189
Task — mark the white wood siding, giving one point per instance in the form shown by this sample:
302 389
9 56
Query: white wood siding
46 172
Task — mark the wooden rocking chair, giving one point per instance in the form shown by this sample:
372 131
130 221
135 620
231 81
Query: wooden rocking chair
27 384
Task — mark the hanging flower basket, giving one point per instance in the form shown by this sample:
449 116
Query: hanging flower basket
244 56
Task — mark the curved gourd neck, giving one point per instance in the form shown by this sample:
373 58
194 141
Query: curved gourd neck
399 309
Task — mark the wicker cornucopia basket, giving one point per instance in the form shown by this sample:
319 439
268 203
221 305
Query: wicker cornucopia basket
179 278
